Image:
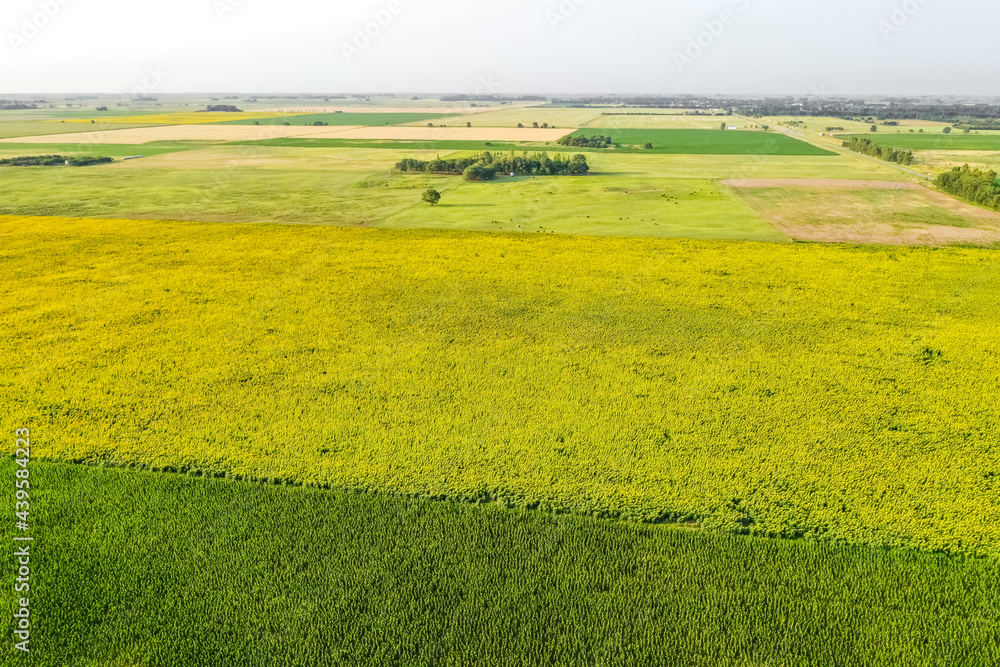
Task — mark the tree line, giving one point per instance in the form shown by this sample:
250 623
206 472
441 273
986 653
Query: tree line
973 185
580 141
869 147
486 166
53 161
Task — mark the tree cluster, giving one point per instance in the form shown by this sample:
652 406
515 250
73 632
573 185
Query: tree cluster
486 166
223 107
580 141
973 185
869 147
53 161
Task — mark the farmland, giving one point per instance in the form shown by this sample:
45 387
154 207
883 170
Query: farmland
375 580
356 119
707 142
728 401
357 359
935 142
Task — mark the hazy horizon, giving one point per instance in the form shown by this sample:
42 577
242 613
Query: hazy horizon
728 47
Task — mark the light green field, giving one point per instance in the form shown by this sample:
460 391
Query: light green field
510 117
39 128
792 390
352 186
666 122
592 205
956 141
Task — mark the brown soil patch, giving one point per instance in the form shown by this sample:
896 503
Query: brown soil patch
875 212
403 133
819 183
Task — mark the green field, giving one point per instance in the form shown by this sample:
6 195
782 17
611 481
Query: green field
831 392
594 205
138 568
346 118
352 186
707 142
10 130
956 141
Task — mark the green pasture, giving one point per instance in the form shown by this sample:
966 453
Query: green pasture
956 141
707 142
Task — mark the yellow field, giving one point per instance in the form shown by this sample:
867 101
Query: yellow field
789 390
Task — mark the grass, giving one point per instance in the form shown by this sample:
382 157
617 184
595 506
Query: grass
10 130
630 119
955 141
180 118
341 119
139 568
527 116
592 205
801 206
253 183
834 393
707 142
111 150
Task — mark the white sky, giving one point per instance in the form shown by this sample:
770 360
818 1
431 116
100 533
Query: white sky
830 47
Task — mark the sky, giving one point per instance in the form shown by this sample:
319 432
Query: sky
735 47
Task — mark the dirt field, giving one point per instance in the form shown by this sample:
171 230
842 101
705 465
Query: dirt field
441 133
819 183
867 212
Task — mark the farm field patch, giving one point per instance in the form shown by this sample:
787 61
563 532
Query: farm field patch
40 128
224 184
527 116
175 118
205 132
340 119
593 205
935 142
708 142
604 376
368 579
402 133
887 213
632 120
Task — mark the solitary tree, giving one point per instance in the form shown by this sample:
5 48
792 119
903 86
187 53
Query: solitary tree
536 123
649 146
947 130
520 124
432 197
468 124
874 128
724 126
